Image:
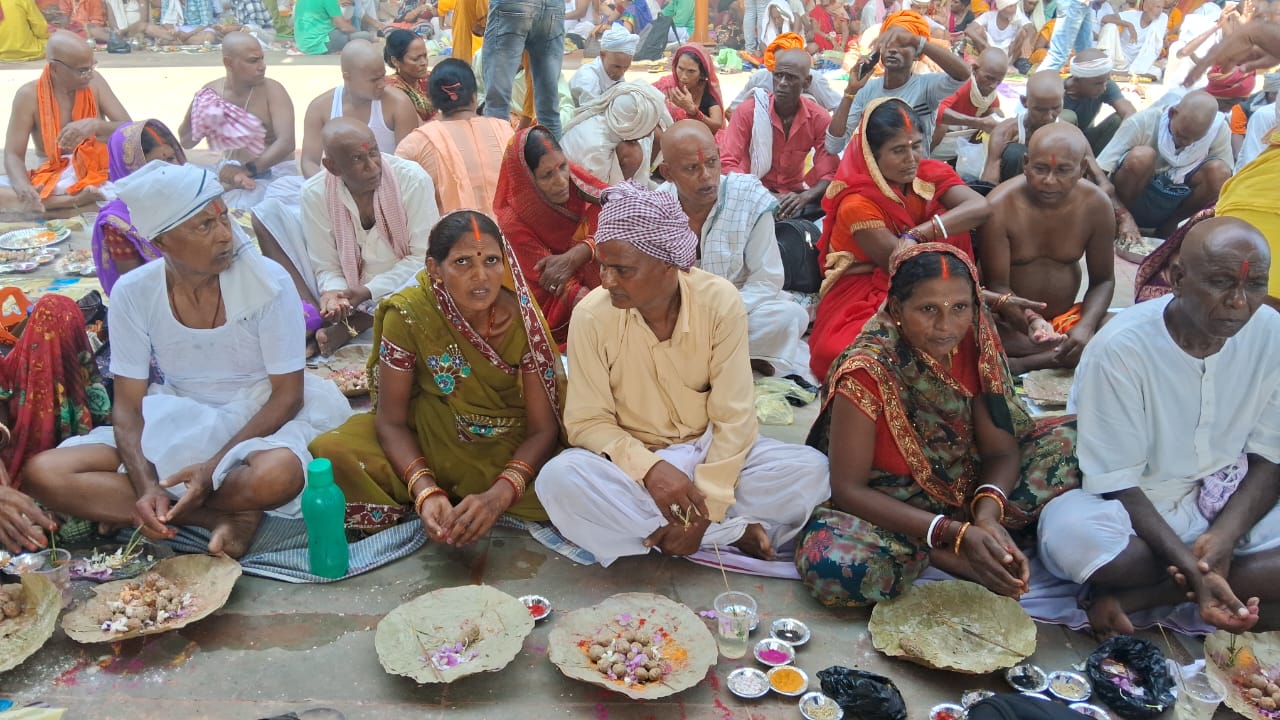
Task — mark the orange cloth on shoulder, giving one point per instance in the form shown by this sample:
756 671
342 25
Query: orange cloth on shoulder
89 159
785 41
1068 319
911 20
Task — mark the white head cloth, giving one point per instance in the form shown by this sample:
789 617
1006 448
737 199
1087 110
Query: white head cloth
162 196
1002 4
616 39
631 110
1271 82
1099 67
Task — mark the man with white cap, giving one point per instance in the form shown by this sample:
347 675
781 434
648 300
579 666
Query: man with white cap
617 46
667 451
1134 39
612 136
224 438
1005 28
1261 122
1088 88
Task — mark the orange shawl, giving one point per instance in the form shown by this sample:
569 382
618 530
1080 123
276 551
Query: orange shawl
89 159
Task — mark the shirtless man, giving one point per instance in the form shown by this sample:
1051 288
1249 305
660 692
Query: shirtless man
1041 224
247 87
1044 101
361 96
70 71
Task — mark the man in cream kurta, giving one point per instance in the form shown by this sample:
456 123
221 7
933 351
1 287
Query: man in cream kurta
667 450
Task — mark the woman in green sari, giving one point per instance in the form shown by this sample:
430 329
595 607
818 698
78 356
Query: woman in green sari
466 388
933 457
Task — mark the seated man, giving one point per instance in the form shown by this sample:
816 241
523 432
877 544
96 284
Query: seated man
1005 28
319 27
1260 119
227 432
87 18
1042 224
592 79
25 33
612 136
731 215
819 90
1086 90
365 220
1168 163
776 155
362 96
69 112
1178 401
667 449
1134 39
255 128
974 107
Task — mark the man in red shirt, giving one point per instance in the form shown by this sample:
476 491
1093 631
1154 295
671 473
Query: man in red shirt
973 107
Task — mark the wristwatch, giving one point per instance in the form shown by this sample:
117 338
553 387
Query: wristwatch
252 167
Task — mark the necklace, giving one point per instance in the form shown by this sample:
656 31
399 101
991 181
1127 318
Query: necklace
173 305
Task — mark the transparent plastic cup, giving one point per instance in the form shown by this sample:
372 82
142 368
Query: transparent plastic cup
735 615
1199 694
56 567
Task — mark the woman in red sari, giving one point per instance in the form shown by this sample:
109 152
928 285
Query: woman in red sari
883 193
692 88
547 208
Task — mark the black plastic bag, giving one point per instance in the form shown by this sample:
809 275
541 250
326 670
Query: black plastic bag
1020 707
863 695
1146 664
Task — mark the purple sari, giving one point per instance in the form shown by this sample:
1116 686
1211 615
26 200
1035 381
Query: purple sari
125 155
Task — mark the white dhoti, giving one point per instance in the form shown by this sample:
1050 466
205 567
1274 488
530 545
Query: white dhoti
179 431
1081 532
775 329
1139 57
281 181
283 219
593 503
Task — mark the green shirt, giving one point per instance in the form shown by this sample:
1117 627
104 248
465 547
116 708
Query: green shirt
680 12
312 23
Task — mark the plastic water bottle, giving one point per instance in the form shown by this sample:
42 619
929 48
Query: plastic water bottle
324 509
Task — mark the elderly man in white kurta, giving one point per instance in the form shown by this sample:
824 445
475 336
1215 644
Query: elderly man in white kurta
612 136
667 452
1178 402
365 221
589 82
733 218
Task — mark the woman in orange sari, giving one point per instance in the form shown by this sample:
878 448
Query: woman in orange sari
547 208
884 193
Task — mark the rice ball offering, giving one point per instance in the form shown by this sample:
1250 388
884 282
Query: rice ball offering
145 604
632 656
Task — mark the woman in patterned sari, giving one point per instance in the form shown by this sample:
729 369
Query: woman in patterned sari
692 88
547 208
406 54
933 457
467 390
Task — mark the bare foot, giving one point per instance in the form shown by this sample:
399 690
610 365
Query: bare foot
313 349
762 367
233 533
1041 331
1107 618
331 337
755 542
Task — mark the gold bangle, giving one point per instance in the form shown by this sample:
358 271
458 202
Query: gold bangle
973 504
515 487
405 473
1000 301
424 496
518 482
960 536
525 470
418 476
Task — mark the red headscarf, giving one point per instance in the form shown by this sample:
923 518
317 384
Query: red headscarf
671 81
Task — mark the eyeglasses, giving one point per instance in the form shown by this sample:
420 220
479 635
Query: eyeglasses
82 72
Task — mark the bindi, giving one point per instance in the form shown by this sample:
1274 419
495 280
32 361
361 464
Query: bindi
365 146
1244 269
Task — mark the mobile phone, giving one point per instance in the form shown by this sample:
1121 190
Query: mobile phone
866 66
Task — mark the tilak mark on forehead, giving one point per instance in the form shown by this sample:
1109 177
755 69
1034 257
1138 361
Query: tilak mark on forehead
906 120
475 234
1244 269
702 158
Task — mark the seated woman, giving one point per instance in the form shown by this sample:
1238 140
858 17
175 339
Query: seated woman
692 88
117 246
406 54
884 192
227 432
467 390
933 457
463 151
547 208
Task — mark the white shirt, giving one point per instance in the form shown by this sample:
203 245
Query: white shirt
996 36
1261 123
1152 416
589 82
380 270
1143 128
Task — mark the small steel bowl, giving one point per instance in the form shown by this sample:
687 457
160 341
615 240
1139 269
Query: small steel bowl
1069 686
790 631
1027 678
539 602
940 712
738 678
973 697
1092 711
768 644
815 700
803 676
43 258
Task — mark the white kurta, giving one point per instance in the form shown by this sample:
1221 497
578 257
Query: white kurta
997 36
1137 57
590 81
594 146
216 380
1261 123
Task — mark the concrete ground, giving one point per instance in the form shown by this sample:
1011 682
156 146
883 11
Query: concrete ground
278 648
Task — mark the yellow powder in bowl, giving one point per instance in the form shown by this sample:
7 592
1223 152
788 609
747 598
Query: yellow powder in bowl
786 681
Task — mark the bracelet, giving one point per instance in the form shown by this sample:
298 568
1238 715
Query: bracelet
424 472
991 487
8 435
426 495
973 504
960 536
942 229
405 473
513 478
933 525
519 466
1000 301
944 526
849 95
914 235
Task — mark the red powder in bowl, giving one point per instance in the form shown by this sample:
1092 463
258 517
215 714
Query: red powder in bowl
774 657
538 610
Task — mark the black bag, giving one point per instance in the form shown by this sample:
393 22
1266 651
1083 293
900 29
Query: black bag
117 45
797 241
863 695
653 39
1020 707
1145 661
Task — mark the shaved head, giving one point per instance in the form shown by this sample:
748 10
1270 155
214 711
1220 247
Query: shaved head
351 153
989 70
235 44
993 58
691 162
244 60
1219 281
344 131
1193 117
363 73
360 55
1220 238
69 48
1060 140
1054 164
1045 84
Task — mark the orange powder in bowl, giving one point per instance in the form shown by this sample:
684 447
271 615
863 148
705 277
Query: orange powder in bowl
786 681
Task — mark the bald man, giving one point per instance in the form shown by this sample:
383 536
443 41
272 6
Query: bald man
799 194
1178 402
265 152
1041 105
388 205
69 113
1168 163
362 96
732 216
974 107
1042 224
